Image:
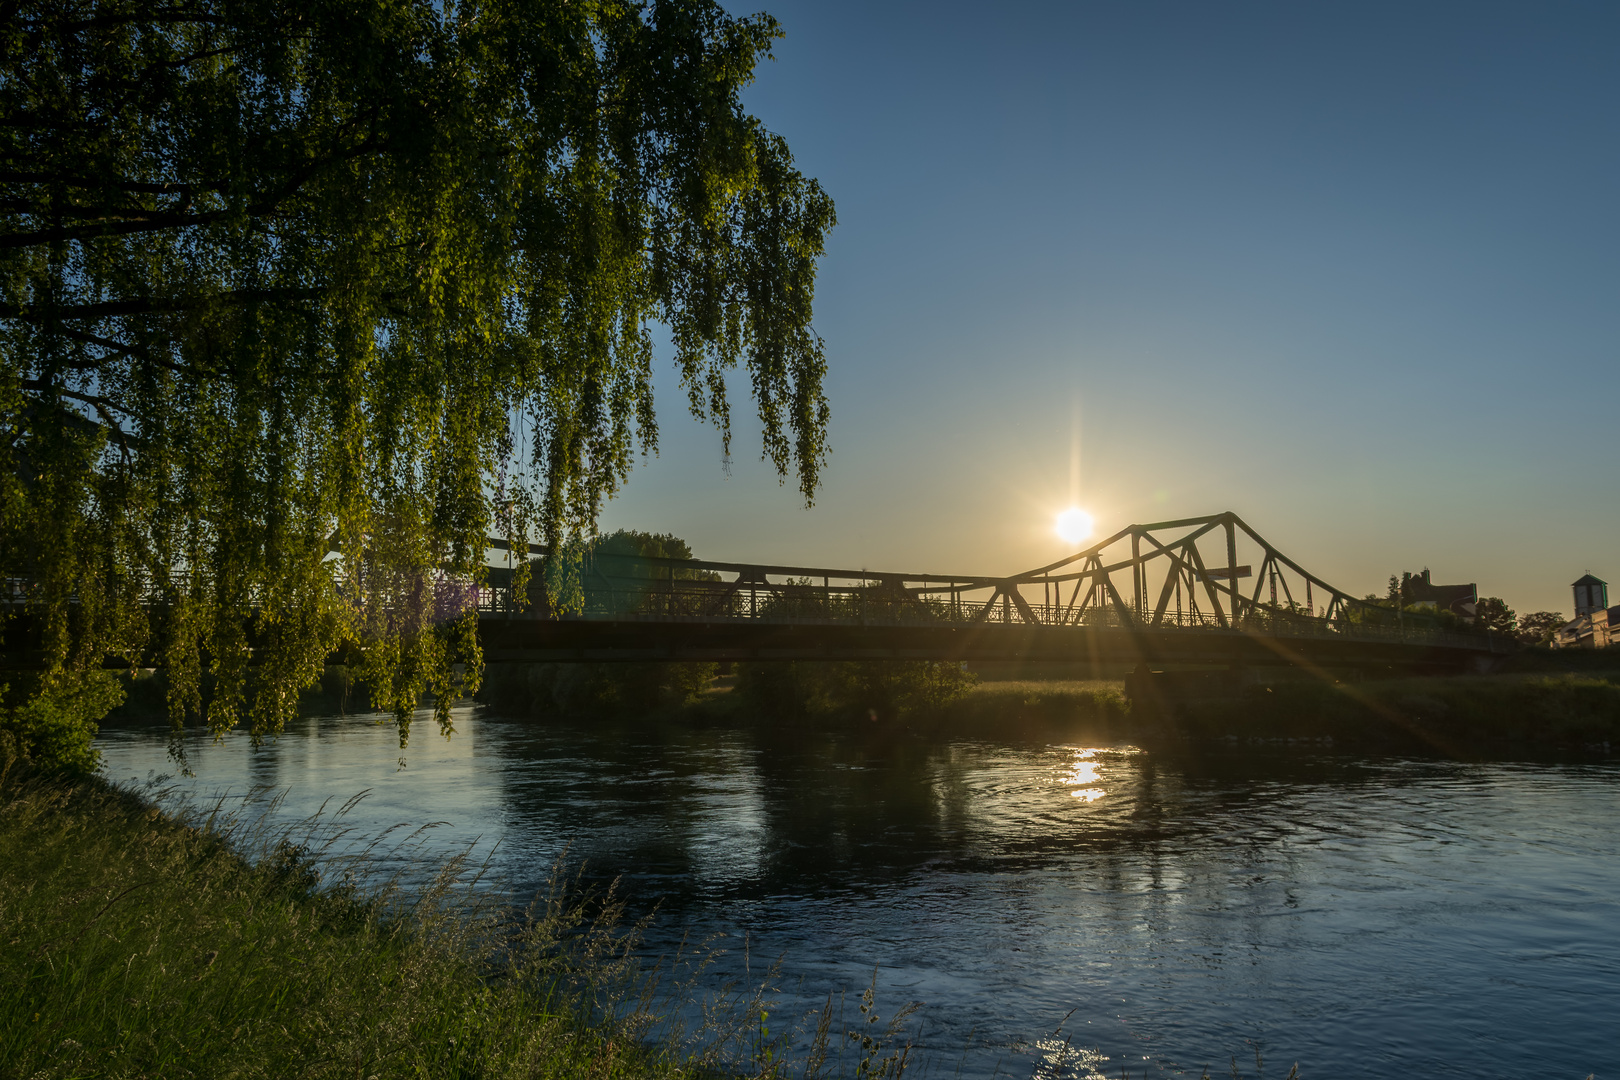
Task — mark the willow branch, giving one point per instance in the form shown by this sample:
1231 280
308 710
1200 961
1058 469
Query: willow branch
19 176
113 309
103 407
135 220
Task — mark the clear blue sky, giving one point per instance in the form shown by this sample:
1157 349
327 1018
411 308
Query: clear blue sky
1352 271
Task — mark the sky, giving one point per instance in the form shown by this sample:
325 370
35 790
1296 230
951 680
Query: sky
1351 271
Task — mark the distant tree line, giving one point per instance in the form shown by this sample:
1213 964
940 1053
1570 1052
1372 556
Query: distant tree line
1491 613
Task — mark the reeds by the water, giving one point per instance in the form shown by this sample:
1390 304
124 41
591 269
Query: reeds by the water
1034 708
1460 716
139 943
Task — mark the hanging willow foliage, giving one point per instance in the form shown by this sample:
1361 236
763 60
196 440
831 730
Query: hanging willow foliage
302 299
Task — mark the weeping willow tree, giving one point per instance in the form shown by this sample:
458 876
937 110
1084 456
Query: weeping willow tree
302 299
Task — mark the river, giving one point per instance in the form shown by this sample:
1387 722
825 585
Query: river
1362 916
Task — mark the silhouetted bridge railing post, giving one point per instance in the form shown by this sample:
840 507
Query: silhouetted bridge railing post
1149 593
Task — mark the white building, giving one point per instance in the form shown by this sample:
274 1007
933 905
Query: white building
1596 625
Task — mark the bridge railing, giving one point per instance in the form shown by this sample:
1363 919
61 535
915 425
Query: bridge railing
875 603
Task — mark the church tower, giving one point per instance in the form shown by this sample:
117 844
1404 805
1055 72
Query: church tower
1591 594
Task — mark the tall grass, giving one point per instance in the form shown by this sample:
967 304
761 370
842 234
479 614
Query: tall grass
1463 716
1035 708
137 943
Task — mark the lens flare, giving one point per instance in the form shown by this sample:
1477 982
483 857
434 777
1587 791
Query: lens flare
1074 525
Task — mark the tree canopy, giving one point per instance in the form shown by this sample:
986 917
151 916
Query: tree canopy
301 300
1492 613
1540 627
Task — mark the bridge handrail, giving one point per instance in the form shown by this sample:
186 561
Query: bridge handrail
789 604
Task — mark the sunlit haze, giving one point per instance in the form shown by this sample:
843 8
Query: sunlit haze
1348 270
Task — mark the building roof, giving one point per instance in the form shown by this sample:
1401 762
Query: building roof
1422 590
1589 580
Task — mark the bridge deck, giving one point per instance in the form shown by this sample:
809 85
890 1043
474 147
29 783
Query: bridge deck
658 609
663 638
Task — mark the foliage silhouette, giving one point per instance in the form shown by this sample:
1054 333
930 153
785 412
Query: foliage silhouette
1492 613
1540 627
299 302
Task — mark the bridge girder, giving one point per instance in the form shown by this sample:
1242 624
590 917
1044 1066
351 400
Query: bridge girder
650 608
651 640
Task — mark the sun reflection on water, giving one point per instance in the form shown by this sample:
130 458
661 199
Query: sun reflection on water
1085 775
1062 1060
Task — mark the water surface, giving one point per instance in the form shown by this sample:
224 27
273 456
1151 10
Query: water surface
1362 916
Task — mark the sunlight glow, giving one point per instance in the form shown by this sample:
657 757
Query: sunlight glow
1074 525
1086 776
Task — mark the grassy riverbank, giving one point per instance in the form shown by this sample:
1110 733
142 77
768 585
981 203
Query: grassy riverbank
1093 709
1458 715
135 945
1461 716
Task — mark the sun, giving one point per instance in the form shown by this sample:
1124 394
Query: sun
1074 525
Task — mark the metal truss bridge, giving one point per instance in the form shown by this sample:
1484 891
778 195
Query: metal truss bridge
1168 592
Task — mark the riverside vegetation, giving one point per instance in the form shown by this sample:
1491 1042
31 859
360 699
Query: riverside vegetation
1545 700
1542 699
1555 700
136 943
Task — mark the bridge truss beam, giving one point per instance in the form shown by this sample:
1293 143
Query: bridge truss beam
1184 578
